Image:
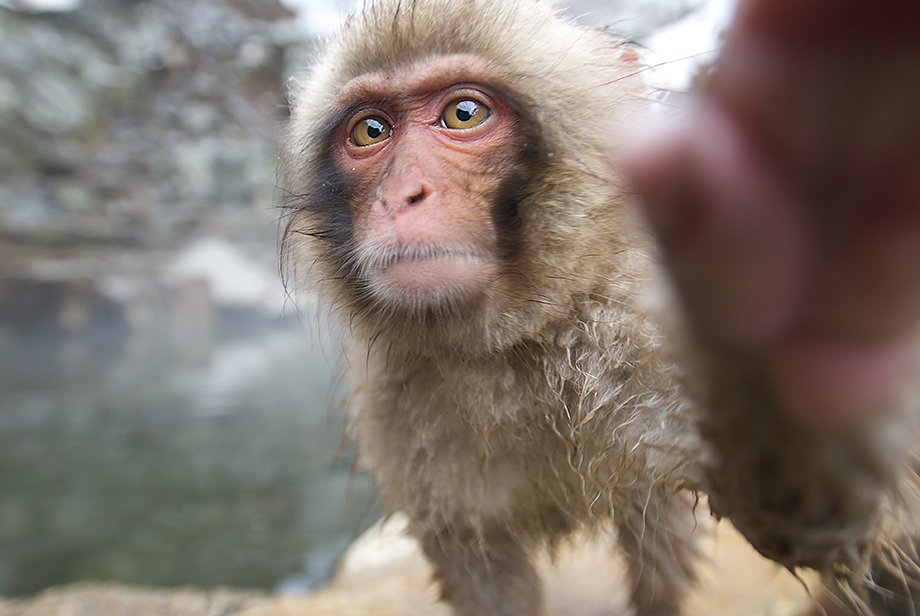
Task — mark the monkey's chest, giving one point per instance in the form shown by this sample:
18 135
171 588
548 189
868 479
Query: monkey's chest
501 452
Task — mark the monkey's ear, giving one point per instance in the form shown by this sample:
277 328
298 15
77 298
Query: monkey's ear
630 55
634 66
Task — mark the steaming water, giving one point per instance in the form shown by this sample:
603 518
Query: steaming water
153 463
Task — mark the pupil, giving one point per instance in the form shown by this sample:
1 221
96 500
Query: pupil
466 110
374 129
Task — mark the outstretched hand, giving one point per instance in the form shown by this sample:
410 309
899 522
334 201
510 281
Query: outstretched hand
787 201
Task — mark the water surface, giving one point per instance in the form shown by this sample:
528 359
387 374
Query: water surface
150 462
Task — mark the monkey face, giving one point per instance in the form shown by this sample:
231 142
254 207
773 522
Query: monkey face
426 152
429 153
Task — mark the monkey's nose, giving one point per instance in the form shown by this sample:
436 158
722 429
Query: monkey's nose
403 187
407 196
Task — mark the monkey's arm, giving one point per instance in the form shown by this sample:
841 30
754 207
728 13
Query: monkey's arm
788 211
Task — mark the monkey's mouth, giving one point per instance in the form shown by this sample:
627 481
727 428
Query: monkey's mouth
427 274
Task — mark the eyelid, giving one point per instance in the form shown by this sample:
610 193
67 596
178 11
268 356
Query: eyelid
471 90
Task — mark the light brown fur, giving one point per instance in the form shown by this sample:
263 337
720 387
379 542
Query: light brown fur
549 406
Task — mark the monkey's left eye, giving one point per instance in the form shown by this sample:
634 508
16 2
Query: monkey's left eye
370 130
464 113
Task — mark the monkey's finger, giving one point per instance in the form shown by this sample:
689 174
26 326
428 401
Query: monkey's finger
732 236
832 325
830 90
796 20
836 384
870 282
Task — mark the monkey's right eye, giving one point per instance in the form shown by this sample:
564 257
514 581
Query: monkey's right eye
370 130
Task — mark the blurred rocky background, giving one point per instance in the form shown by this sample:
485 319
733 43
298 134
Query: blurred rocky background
127 131
167 416
161 421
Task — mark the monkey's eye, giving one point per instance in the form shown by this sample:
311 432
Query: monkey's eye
370 130
464 113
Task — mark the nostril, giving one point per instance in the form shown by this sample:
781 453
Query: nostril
417 196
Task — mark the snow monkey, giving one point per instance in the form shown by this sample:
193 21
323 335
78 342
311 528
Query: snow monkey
450 194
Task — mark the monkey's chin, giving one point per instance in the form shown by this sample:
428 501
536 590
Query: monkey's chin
433 281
